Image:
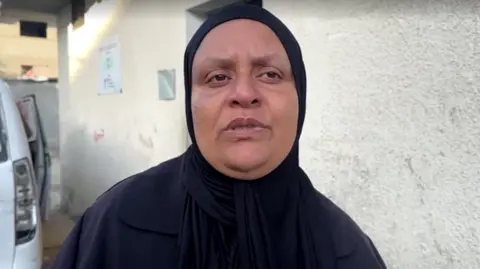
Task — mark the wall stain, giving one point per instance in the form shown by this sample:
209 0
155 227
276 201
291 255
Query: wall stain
453 114
145 141
419 184
409 165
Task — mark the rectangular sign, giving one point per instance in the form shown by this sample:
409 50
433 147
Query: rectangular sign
110 67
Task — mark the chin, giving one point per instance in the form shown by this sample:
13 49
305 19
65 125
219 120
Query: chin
246 159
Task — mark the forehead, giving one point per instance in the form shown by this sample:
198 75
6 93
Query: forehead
240 38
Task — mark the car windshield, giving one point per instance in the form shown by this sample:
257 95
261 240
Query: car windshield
3 134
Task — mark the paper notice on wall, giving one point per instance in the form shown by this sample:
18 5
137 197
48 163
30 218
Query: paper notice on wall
110 67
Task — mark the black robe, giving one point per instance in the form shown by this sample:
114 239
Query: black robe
135 225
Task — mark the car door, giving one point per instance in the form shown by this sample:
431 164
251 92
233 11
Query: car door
7 196
39 150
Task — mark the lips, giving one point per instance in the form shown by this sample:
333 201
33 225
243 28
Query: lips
245 123
245 129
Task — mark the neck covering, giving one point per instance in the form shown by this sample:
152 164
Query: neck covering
230 223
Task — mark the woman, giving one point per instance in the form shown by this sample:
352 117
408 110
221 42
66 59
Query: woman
237 197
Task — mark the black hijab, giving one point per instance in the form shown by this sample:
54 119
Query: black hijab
261 224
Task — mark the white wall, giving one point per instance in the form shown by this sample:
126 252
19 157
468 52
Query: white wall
139 130
392 128
59 195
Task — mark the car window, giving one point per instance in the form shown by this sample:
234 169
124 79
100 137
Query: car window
27 113
3 134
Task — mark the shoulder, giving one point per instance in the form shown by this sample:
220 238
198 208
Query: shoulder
149 200
146 201
349 240
345 232
161 174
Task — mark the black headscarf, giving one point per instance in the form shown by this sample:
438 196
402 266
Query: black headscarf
261 224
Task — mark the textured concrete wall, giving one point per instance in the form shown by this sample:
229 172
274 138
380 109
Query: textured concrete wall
391 135
393 125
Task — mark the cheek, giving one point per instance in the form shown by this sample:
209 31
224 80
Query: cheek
285 114
204 115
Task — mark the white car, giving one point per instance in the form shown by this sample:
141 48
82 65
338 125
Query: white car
20 224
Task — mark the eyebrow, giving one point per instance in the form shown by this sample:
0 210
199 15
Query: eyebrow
228 62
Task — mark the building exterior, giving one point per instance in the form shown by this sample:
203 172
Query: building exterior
28 45
391 132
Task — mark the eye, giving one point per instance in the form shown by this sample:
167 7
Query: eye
271 76
217 78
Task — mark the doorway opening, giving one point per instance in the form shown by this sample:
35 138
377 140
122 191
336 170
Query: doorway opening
198 14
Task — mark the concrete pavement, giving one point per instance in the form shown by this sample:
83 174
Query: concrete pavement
55 231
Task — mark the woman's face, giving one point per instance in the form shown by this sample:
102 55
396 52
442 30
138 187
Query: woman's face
244 101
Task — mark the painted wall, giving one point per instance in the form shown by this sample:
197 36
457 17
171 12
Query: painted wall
391 134
16 50
106 138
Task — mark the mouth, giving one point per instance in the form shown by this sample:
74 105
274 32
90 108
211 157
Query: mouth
245 123
245 128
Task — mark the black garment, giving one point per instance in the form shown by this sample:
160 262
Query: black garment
135 225
185 214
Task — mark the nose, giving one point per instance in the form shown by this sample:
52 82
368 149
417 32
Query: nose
244 94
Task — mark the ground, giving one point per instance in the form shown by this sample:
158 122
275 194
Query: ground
57 227
54 232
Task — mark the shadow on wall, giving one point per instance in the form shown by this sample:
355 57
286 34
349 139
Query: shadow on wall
90 165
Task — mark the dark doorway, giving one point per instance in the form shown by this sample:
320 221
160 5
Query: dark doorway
33 29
